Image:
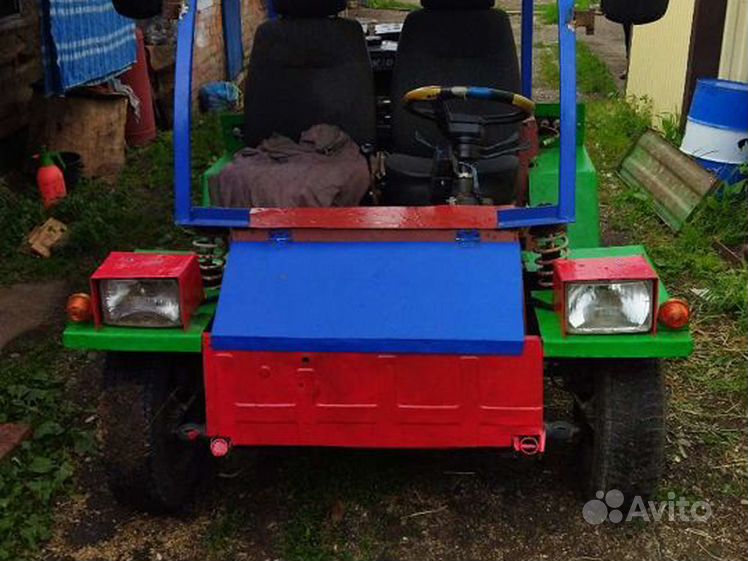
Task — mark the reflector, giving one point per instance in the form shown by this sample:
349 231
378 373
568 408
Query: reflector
675 314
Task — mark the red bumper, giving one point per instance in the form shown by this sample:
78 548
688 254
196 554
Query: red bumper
376 401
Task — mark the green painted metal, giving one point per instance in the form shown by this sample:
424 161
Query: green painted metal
552 111
544 177
664 344
675 182
87 337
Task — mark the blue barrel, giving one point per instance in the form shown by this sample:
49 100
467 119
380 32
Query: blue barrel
717 127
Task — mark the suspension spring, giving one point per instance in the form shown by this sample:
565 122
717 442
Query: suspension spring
211 253
550 246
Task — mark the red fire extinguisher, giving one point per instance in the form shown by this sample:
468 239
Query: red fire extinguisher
50 180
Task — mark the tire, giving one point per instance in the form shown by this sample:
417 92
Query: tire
623 423
145 398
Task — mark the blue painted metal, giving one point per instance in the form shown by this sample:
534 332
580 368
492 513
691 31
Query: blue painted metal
184 213
421 298
528 31
231 11
183 117
565 212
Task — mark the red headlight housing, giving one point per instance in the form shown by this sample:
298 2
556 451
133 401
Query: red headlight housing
146 290
606 296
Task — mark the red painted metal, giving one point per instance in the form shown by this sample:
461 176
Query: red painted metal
379 218
314 235
140 129
375 401
636 268
184 268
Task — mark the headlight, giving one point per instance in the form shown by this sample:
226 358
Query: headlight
141 303
610 307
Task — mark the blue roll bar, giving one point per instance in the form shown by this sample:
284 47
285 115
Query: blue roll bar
528 31
187 215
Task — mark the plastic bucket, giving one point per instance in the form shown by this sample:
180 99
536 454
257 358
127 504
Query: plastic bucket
717 127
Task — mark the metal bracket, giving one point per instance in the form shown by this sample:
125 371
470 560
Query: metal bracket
468 237
281 236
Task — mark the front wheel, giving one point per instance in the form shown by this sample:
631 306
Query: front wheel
621 407
146 398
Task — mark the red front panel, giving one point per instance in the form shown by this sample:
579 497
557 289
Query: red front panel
374 401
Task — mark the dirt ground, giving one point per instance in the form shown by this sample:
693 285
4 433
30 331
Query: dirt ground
24 307
323 504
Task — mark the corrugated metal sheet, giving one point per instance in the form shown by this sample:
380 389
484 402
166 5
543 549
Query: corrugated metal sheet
734 61
676 183
659 58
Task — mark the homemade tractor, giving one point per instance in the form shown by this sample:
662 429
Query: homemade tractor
431 315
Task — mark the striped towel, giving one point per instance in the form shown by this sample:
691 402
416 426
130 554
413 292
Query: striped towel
84 42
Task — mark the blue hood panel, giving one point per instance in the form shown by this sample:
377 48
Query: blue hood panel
422 298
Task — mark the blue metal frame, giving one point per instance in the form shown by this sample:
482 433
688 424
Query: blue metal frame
188 215
565 211
528 31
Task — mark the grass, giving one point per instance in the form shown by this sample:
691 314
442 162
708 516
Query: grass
549 12
593 75
390 5
36 372
33 389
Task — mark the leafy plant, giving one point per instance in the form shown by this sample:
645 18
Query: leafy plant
671 128
31 391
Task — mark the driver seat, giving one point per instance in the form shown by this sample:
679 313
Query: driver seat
309 67
451 43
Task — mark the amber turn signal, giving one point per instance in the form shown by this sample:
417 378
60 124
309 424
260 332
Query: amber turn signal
675 314
79 308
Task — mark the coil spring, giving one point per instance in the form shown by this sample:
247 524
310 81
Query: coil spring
550 247
212 256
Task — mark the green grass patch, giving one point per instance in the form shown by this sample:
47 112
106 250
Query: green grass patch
33 379
593 75
390 5
549 12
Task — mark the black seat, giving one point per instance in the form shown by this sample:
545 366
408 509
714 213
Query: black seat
452 43
309 67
